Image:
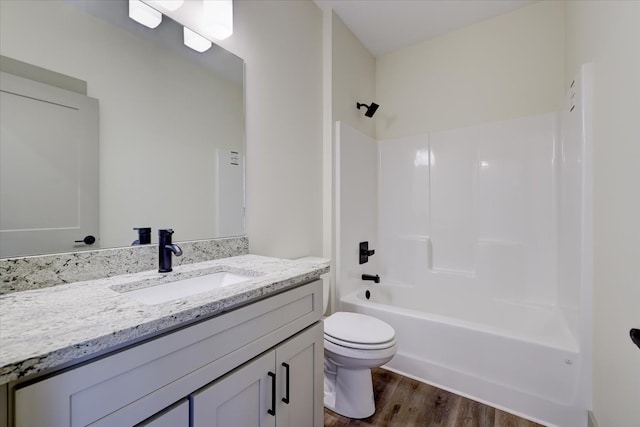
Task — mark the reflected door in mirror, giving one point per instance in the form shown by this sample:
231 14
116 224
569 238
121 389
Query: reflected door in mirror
49 168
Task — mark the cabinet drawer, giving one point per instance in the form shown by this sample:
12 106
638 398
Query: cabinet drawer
134 384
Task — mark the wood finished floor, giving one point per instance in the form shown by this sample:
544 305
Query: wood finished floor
404 402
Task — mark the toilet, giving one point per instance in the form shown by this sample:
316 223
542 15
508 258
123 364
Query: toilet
353 344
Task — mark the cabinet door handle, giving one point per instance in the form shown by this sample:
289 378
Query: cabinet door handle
272 411
285 399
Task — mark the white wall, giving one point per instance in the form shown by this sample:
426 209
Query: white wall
150 120
349 79
607 33
357 206
353 78
506 67
281 43
575 205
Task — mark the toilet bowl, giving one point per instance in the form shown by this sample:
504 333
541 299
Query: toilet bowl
353 344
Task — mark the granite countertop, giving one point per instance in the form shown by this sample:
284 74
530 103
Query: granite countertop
45 329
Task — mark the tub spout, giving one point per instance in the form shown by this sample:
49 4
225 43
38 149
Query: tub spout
376 278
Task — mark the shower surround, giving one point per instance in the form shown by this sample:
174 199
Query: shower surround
483 245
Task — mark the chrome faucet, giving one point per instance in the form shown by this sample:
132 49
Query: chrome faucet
165 249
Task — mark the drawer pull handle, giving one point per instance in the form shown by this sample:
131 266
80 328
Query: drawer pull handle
272 411
285 399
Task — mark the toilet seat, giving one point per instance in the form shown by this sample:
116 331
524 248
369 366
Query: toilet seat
338 353
359 346
358 331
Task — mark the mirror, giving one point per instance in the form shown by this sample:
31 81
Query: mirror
170 121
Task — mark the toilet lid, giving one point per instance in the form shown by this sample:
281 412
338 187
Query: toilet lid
358 328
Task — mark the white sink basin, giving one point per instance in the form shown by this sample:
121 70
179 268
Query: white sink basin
186 287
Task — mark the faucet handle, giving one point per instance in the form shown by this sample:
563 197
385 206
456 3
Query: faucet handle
365 253
165 248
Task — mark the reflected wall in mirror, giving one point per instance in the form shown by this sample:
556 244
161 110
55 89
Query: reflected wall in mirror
171 120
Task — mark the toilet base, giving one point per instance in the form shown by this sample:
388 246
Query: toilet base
349 392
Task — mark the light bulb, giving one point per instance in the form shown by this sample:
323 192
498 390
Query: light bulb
170 5
218 18
195 41
144 14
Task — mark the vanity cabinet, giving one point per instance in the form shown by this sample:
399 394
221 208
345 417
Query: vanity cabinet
217 369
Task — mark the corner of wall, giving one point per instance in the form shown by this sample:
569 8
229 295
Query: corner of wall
506 67
353 78
328 150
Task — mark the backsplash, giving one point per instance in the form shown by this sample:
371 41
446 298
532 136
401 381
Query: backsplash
36 272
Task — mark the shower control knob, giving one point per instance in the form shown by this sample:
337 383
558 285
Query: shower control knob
365 253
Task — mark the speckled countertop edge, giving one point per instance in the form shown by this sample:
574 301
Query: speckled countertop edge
41 330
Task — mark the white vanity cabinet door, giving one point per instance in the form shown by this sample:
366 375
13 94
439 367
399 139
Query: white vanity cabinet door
246 397
177 416
241 399
303 357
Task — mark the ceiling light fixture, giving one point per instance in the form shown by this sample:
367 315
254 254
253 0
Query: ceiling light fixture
218 18
195 41
144 14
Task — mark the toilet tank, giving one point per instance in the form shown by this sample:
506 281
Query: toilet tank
324 278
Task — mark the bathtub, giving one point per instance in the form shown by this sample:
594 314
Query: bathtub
521 358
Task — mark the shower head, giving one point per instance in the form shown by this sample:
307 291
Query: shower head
371 109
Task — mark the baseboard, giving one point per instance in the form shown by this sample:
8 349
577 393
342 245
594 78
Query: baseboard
525 405
591 420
